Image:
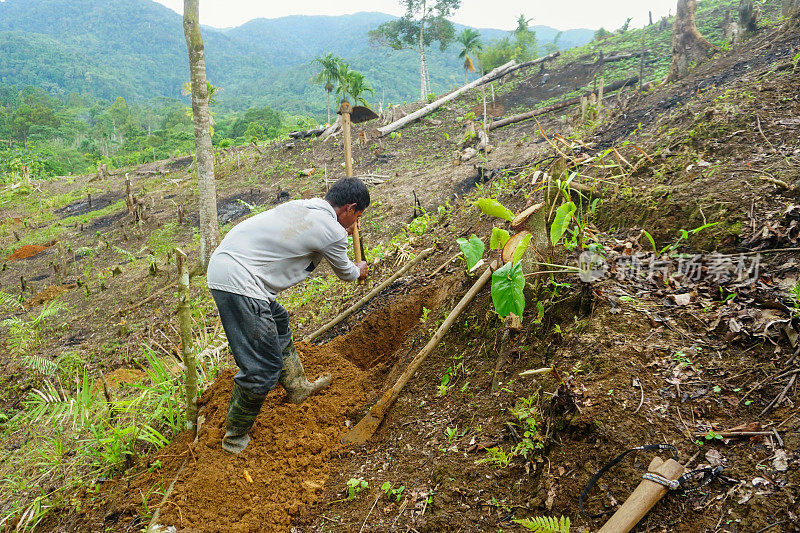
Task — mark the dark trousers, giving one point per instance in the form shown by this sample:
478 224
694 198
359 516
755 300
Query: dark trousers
258 332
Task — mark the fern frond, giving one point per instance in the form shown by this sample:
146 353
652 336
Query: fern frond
40 364
45 404
20 334
546 524
52 407
49 311
9 303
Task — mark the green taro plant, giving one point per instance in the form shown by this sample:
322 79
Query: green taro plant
508 281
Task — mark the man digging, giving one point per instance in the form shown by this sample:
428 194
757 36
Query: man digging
256 260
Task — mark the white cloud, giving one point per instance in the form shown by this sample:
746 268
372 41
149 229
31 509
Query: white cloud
502 14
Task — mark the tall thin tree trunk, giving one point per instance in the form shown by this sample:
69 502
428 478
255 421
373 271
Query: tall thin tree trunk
422 92
688 46
791 10
209 228
185 319
329 107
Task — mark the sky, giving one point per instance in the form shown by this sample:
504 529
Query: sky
501 14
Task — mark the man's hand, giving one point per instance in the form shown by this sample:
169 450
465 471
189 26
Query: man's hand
362 266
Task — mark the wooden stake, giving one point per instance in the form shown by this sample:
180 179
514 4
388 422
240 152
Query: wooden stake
356 306
185 318
345 109
364 430
646 495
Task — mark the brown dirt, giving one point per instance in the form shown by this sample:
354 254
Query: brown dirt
289 456
47 295
26 251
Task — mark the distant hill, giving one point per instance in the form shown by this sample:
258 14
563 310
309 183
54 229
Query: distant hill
135 49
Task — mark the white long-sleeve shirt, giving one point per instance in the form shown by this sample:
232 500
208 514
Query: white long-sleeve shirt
279 248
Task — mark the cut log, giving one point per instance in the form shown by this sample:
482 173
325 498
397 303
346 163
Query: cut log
302 134
416 115
521 219
512 244
617 85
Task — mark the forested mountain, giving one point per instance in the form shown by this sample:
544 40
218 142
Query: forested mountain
135 49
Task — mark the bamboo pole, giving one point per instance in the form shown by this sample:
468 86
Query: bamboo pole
185 319
646 495
364 430
356 306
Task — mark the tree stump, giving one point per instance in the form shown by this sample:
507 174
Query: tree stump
688 46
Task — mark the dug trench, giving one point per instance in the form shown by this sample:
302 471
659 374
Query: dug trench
288 461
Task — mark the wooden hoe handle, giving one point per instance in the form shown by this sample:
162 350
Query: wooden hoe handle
357 248
646 495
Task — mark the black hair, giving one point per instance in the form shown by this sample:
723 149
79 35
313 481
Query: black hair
348 191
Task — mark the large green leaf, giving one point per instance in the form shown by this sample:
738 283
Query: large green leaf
472 249
490 206
561 223
508 283
519 251
499 238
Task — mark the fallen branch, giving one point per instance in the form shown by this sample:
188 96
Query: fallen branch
775 181
416 115
735 434
560 105
140 303
779 398
356 306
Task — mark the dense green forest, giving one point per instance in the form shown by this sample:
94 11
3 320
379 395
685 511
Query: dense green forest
54 136
135 49
84 82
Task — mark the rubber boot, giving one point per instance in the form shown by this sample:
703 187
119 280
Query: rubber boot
293 377
242 412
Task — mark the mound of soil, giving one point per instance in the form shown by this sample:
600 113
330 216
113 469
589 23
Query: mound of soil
284 467
24 252
48 294
287 463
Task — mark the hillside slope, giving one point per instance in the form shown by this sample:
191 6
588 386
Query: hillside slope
650 353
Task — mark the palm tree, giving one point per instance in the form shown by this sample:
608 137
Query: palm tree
328 75
353 84
470 41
